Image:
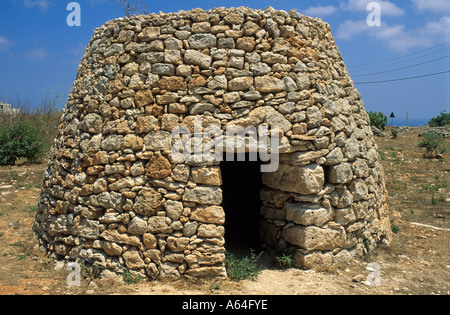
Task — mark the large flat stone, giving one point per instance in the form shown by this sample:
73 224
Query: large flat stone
315 238
308 214
305 180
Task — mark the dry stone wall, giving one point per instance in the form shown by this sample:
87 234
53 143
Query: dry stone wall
115 196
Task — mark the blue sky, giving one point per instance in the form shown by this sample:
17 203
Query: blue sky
40 53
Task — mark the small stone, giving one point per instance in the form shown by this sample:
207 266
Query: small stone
201 41
240 84
158 168
197 58
137 226
268 84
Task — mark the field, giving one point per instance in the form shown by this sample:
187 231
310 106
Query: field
417 262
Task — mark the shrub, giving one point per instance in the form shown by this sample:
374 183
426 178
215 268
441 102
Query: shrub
285 260
440 121
378 120
128 278
395 228
434 144
242 268
20 140
394 133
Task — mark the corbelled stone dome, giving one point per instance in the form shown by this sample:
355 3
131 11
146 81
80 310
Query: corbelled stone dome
127 188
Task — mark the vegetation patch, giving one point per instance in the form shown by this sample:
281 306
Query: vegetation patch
243 268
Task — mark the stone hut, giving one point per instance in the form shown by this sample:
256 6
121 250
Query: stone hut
117 194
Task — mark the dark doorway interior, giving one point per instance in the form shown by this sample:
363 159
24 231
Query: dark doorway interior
241 187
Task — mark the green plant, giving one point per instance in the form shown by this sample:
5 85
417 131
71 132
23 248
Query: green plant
38 185
395 228
215 287
440 121
32 209
285 260
91 271
128 278
434 144
242 268
20 140
21 257
378 119
366 245
433 200
394 133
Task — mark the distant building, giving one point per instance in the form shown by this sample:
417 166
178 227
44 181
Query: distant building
7 109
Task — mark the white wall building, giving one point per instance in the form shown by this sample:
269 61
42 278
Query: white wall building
7 109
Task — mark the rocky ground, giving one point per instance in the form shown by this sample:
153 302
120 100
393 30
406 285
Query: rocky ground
417 262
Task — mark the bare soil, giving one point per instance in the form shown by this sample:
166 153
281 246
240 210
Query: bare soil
417 262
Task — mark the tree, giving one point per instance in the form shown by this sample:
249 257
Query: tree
131 7
378 120
440 121
21 140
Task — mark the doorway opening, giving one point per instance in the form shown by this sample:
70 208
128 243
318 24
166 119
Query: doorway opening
241 186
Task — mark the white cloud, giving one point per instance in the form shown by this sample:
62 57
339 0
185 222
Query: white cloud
5 43
320 11
398 37
432 5
387 7
41 4
439 28
36 54
350 29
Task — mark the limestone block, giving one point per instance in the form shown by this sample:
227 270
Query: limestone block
147 201
207 175
204 195
197 58
268 84
213 214
133 259
306 180
210 230
137 226
341 173
308 214
158 140
315 238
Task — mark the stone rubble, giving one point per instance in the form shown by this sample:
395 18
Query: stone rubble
112 193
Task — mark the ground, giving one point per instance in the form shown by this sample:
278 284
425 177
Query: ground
417 262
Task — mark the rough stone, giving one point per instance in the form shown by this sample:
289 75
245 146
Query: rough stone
148 201
158 168
304 180
240 84
341 173
204 195
213 214
201 41
315 238
268 84
308 214
194 57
